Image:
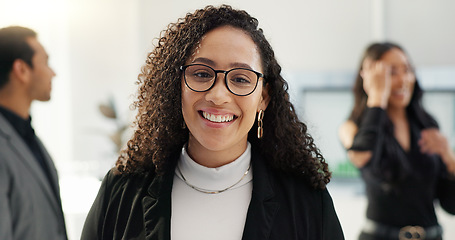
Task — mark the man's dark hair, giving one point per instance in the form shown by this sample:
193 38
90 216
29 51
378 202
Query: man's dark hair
13 45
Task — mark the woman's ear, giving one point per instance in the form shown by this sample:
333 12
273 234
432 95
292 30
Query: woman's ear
265 98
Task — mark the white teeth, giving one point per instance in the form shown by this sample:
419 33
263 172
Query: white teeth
217 118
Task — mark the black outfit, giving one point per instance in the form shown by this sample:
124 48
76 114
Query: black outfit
282 207
401 186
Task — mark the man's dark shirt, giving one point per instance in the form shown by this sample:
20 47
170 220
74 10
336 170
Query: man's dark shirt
24 128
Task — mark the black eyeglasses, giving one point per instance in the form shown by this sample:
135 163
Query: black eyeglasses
239 81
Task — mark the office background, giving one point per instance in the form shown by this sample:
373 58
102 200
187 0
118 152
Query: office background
97 48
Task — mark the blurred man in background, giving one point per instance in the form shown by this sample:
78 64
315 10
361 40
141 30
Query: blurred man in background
30 205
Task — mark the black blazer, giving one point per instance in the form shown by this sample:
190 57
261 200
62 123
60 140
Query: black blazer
282 207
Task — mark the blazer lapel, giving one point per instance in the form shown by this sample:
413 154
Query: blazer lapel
157 208
51 166
23 154
263 208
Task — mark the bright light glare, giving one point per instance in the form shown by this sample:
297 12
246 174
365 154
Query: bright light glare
30 13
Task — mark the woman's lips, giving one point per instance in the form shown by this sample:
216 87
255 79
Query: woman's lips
217 118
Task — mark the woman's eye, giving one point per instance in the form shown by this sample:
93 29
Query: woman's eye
393 71
240 80
202 75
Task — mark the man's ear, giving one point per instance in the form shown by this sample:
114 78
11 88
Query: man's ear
265 97
20 70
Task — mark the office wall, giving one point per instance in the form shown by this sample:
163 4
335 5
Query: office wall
97 49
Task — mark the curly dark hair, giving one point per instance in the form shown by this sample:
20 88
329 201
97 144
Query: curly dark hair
159 135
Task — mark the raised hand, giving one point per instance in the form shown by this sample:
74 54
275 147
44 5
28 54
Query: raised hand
377 82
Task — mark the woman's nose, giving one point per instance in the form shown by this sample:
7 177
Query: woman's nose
218 94
402 78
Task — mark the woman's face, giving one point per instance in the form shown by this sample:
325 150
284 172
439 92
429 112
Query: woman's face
218 120
403 78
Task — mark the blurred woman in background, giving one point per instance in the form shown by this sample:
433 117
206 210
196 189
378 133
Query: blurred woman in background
404 160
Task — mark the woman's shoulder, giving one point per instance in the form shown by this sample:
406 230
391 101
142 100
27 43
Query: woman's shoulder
347 127
287 182
118 195
298 189
296 182
114 177
346 133
117 182
287 178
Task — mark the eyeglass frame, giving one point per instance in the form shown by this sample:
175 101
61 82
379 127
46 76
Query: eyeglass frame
258 74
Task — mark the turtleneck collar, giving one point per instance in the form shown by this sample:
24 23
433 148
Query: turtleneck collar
215 178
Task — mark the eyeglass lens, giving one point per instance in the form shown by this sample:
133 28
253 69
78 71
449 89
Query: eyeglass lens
239 81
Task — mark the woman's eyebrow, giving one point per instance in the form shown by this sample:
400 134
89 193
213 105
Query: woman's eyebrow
204 60
212 63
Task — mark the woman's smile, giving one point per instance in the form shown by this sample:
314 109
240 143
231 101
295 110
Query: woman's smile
217 118
401 93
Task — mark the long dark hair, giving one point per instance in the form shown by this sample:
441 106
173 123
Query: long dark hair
415 108
394 168
159 135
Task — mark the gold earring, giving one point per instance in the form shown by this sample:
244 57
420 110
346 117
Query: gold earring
260 124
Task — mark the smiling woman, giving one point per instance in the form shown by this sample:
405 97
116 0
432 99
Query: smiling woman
218 149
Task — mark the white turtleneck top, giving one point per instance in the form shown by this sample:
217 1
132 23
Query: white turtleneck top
201 216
